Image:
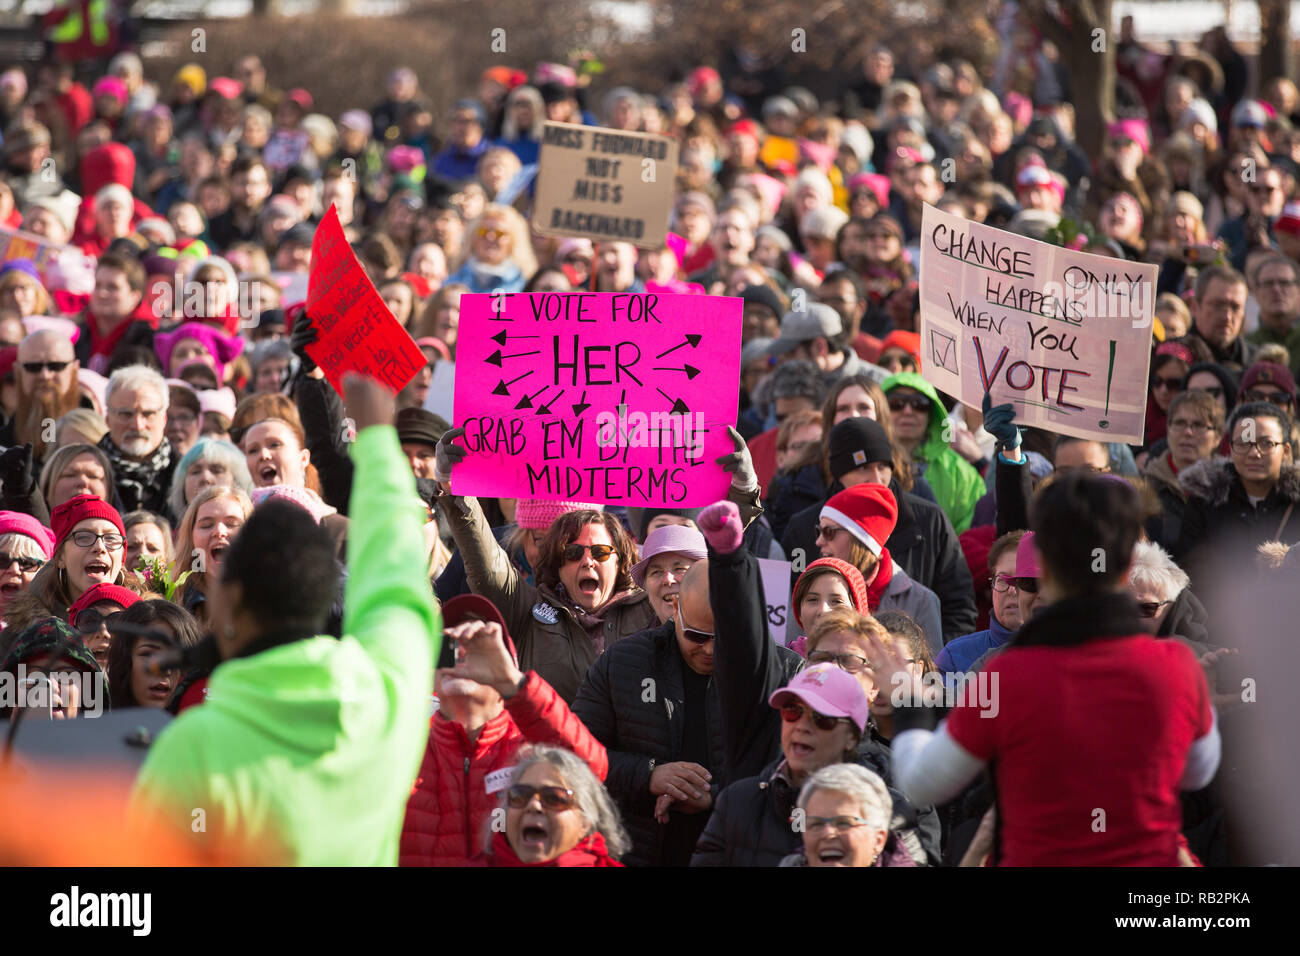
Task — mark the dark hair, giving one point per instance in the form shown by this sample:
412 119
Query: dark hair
566 528
134 355
542 273
1008 542
1079 518
1200 402
797 379
128 265
901 624
1217 274
122 648
902 461
1261 410
246 163
285 564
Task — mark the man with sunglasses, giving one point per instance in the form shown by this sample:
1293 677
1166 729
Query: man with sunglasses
652 701
1269 382
46 376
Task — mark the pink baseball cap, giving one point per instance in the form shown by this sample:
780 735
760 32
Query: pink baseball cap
539 515
828 690
1027 559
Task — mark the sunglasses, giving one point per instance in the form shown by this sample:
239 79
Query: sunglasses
690 633
553 798
1150 609
1027 585
600 552
24 564
917 403
1280 399
827 531
1171 384
793 713
91 621
35 368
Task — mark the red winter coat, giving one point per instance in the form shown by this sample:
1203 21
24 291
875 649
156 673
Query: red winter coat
449 809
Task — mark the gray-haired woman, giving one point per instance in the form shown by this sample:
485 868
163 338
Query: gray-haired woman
555 813
844 811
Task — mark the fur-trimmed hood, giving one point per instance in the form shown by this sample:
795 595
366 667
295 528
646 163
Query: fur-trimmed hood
1214 479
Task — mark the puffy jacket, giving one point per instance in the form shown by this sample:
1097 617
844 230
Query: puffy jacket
309 748
456 790
956 483
923 544
640 723
561 651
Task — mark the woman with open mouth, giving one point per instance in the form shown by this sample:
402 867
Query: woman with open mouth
25 545
142 630
557 814
90 546
845 811
275 451
93 615
209 525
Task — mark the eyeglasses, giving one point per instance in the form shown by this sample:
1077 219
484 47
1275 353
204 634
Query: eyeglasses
917 403
816 824
130 414
1183 425
1276 283
793 713
552 798
691 634
35 368
1170 384
86 539
1003 583
1265 446
1150 609
24 564
846 662
600 552
1028 585
1280 399
486 233
91 621
182 418
827 531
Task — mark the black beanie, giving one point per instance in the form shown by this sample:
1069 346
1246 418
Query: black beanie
856 442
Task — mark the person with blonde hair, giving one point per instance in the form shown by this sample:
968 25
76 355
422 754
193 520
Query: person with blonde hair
210 523
81 425
500 255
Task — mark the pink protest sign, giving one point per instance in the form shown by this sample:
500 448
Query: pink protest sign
622 399
1065 336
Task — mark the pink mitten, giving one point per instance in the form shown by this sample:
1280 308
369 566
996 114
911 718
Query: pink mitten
720 525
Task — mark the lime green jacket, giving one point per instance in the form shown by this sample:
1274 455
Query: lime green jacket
309 750
956 484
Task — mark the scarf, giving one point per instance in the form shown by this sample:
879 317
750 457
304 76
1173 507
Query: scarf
589 851
876 589
593 622
1076 620
137 481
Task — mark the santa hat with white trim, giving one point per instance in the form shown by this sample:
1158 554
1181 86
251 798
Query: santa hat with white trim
869 512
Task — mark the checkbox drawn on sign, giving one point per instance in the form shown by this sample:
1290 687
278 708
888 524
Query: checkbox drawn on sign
943 348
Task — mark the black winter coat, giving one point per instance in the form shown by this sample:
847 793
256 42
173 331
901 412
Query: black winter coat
924 544
633 701
789 494
321 411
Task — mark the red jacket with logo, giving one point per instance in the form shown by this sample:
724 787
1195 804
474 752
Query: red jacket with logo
450 806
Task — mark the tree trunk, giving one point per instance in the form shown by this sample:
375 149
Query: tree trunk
1091 61
1275 58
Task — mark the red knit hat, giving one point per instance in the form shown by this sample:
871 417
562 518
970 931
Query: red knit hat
470 607
75 510
867 511
102 592
909 342
852 577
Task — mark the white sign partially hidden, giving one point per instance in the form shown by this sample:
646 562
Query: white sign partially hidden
442 391
776 589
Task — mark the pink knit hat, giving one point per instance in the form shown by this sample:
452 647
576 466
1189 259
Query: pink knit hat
303 497
223 348
15 522
539 515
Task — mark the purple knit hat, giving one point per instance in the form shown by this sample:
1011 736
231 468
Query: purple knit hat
539 515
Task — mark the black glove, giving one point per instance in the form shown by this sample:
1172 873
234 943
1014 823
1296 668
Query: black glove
16 470
302 335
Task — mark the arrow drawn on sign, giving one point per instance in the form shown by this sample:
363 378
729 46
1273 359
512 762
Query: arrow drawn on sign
581 405
546 409
503 387
496 357
500 337
690 370
679 407
527 400
691 340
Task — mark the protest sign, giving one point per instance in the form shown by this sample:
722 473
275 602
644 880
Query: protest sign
616 398
1065 336
776 589
606 185
15 244
357 332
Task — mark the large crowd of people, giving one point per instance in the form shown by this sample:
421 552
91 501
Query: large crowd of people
192 515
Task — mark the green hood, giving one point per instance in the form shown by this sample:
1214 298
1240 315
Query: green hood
934 434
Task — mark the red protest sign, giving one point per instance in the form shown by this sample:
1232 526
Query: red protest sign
357 332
